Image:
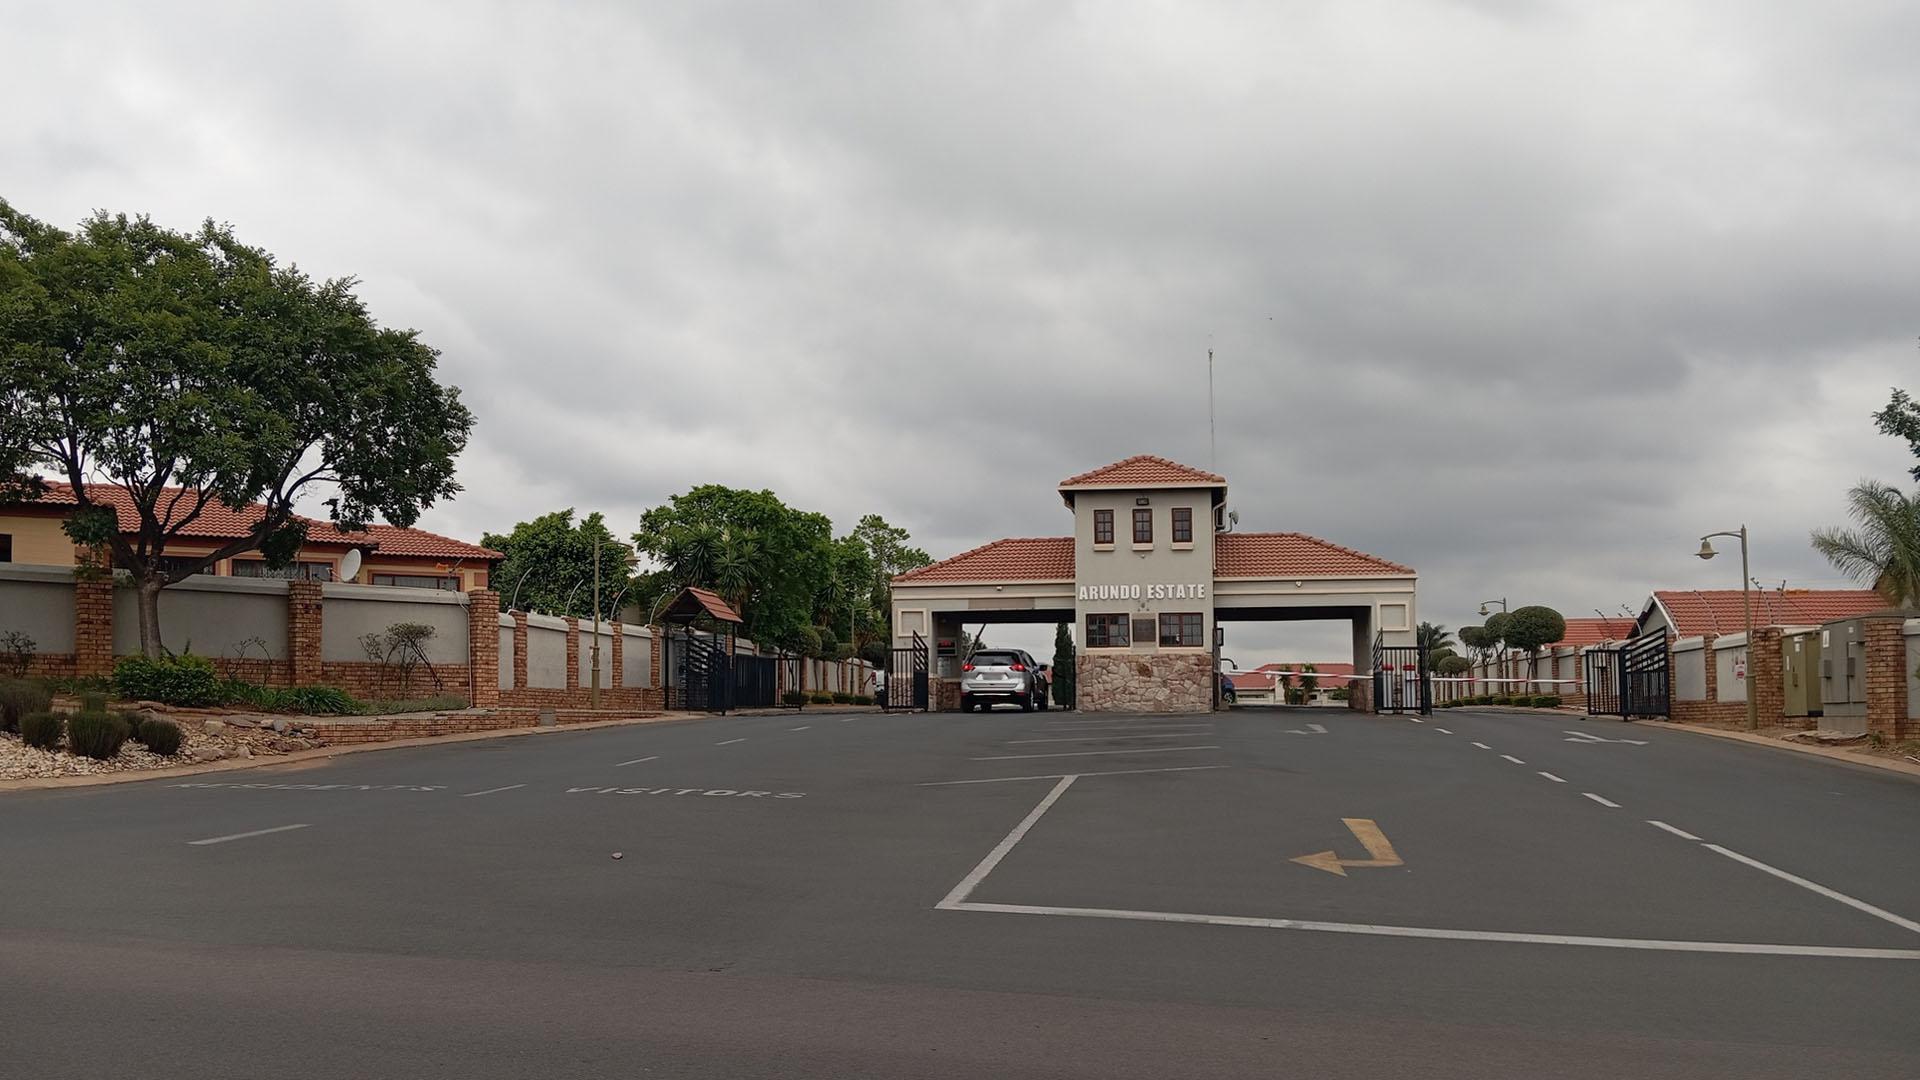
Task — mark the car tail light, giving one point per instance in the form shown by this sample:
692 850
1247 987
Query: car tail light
1017 667
966 667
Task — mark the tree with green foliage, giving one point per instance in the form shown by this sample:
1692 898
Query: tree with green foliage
1309 682
549 565
188 370
1901 419
1883 552
1063 666
1434 636
1531 629
1478 640
771 562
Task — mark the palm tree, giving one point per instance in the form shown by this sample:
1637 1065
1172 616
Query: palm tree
1434 636
1885 550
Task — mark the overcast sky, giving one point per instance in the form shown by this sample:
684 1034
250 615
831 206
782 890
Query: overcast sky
1527 296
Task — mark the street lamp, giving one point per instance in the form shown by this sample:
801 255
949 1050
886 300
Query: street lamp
1483 605
1746 601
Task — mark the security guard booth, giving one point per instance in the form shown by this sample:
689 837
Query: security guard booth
1800 670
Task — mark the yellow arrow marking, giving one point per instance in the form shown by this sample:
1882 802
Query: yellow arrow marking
1379 852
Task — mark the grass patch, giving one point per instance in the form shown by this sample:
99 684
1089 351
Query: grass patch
440 703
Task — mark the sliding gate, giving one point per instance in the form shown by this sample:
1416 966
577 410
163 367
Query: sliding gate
907 682
1401 681
699 673
1633 680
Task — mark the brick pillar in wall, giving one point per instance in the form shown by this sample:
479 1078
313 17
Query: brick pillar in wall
1766 680
573 654
1887 677
483 648
656 658
1713 666
92 618
520 650
304 620
613 678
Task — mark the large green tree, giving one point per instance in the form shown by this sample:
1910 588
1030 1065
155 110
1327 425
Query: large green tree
188 370
772 562
1531 629
549 565
1901 419
1883 552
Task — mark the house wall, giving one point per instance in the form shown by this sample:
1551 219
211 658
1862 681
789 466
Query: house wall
38 540
1159 563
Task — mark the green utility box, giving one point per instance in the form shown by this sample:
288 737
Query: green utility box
1800 670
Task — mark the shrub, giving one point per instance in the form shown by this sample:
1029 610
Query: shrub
441 703
1550 701
841 697
820 697
98 735
172 680
793 697
159 736
1500 699
93 701
16 653
319 700
18 698
42 729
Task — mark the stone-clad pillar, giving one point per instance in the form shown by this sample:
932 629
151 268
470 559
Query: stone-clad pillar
305 614
483 648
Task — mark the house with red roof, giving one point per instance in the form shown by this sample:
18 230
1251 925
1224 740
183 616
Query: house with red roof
1693 612
30 532
1152 570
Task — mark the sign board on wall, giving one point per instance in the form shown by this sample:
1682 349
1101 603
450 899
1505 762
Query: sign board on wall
1156 591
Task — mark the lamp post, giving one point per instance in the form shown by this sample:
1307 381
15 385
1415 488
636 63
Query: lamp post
1503 652
1746 601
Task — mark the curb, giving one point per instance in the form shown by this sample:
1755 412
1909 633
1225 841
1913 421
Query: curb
136 775
1830 753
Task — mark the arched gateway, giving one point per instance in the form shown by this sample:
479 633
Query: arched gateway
1149 571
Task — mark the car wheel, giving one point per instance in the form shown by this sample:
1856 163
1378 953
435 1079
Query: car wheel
1044 693
1026 702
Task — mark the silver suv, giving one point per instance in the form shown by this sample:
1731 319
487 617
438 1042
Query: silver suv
991 676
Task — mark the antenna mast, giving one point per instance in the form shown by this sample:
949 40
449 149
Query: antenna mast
1213 445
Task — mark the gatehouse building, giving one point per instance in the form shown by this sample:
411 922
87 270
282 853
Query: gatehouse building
1155 565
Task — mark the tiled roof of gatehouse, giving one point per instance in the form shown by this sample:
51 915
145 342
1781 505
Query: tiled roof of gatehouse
1033 558
1144 470
1283 555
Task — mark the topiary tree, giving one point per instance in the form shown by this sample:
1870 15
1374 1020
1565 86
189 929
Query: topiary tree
1063 668
1532 628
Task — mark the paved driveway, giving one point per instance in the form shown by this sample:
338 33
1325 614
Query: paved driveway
1290 892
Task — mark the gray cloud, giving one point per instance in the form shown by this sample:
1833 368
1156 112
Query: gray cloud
1527 296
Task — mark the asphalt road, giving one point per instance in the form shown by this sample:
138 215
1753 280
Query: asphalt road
1008 895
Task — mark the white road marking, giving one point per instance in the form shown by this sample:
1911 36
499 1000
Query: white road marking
490 791
1318 729
1443 731
1513 759
730 742
1585 737
244 835
1132 727
1553 778
802 727
1681 833
1652 944
1056 776
979 873
1094 738
1097 753
1860 905
1416 720
1601 800
638 760
1483 746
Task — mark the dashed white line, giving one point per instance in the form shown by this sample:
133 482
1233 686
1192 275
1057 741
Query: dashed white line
1602 800
1097 753
1056 776
1094 738
1681 833
490 791
1859 905
1483 746
1513 759
244 835
1416 720
730 742
802 727
637 761
1443 731
1553 778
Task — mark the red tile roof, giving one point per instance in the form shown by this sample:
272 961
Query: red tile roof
1584 632
218 521
1042 558
1293 555
1719 611
1144 470
716 607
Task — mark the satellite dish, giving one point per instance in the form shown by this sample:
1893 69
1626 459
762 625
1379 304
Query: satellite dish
350 566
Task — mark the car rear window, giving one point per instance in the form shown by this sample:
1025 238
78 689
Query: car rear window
995 659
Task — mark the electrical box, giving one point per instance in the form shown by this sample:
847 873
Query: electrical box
1800 671
1843 676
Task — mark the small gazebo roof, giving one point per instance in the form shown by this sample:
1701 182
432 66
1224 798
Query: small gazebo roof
693 603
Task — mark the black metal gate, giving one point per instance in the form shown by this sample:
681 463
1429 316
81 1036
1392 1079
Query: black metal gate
1633 680
1401 681
907 682
700 673
756 682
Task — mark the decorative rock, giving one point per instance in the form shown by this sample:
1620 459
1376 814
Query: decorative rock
213 727
281 724
245 751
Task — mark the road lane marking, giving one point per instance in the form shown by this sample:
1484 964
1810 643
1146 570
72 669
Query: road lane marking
490 791
244 835
1443 731
1416 720
1861 905
1585 737
1553 778
979 873
1652 944
722 792
1483 746
1601 800
1096 753
1681 833
730 742
637 761
1056 776
1130 727
1513 759
1094 738
802 727
1318 729
1380 853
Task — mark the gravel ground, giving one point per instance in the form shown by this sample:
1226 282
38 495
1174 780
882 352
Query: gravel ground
210 736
